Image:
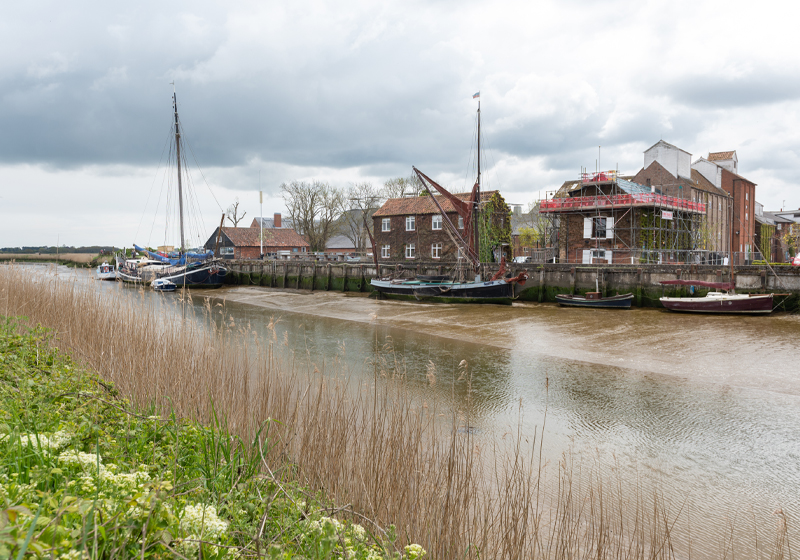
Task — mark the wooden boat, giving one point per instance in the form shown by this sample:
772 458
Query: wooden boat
466 285
593 299
184 268
724 301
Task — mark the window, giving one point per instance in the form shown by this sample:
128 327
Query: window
746 217
436 221
385 252
436 251
294 249
599 227
461 222
720 206
226 250
411 223
747 196
410 251
386 224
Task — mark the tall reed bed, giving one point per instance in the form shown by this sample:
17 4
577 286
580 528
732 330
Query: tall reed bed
385 458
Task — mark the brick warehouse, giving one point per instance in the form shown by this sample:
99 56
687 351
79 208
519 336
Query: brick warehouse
413 228
244 243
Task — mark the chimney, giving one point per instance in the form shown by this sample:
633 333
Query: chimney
277 220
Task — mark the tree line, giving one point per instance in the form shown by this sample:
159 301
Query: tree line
319 211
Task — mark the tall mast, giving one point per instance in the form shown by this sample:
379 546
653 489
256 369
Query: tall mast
475 220
178 154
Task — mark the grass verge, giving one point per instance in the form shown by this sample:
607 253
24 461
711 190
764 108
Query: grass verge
85 475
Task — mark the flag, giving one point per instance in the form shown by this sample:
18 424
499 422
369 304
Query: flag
476 95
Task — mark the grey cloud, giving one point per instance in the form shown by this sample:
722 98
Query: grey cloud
714 91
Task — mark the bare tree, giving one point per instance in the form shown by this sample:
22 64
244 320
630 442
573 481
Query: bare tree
314 209
232 213
356 223
402 186
533 227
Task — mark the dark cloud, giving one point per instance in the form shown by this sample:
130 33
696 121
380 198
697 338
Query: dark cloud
715 91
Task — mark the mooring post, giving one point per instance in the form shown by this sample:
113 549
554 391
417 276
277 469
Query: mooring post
285 274
572 280
299 274
314 277
344 277
361 281
639 287
328 282
541 285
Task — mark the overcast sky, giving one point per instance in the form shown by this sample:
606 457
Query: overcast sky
356 91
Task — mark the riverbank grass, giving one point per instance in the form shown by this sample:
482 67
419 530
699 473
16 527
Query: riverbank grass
84 475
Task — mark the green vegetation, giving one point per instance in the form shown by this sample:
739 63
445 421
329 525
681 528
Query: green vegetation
494 227
84 475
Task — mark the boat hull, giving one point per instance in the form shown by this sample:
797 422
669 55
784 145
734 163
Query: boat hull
205 276
497 291
754 305
622 301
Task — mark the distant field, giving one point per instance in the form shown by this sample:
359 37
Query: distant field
82 258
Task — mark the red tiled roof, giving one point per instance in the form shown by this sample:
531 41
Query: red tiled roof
422 204
280 237
718 156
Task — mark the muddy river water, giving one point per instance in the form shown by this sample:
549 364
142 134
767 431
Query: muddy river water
705 408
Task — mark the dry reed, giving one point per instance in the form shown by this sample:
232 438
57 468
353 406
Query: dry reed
369 447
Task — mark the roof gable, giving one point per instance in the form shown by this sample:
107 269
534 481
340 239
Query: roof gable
416 205
667 144
720 156
273 237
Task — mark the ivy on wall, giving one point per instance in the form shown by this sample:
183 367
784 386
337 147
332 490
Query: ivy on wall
767 231
494 227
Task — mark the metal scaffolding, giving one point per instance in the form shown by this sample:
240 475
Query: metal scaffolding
630 223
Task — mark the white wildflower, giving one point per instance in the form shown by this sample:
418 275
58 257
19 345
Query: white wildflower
359 532
52 442
414 552
201 523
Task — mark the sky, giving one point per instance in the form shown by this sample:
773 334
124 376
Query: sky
359 91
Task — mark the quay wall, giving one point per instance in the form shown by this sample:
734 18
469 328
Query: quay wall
545 281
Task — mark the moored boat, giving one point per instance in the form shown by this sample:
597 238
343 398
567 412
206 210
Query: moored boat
593 299
464 285
106 271
163 285
724 301
182 267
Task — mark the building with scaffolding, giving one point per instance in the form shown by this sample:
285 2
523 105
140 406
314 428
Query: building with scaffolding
604 218
670 170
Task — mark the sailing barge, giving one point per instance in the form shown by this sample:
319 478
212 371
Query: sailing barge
466 284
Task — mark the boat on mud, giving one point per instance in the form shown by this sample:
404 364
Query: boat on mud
464 284
723 299
594 300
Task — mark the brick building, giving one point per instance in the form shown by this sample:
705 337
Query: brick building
245 243
413 228
669 169
604 218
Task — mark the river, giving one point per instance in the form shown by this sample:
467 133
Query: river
704 408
